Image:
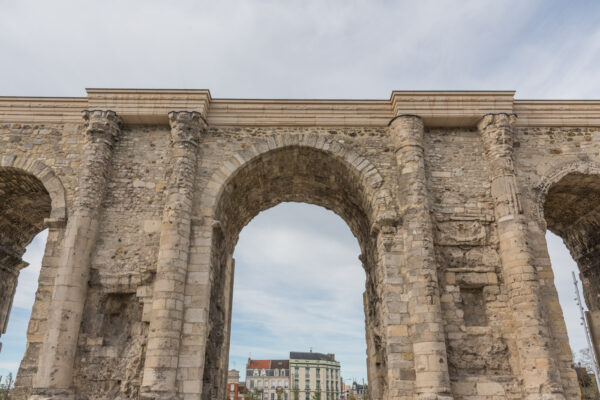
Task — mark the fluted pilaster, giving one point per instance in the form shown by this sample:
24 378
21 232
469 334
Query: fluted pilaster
55 368
424 306
162 355
539 371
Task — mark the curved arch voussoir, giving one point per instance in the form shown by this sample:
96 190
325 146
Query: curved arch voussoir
367 172
46 175
556 173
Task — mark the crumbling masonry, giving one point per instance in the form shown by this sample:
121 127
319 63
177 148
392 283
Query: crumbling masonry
449 194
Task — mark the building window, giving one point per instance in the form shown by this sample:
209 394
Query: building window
251 384
307 395
275 372
318 385
306 371
272 396
285 396
296 383
307 385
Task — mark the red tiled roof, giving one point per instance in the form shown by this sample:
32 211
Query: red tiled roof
259 364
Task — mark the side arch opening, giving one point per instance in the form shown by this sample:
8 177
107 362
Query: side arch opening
571 210
24 205
32 202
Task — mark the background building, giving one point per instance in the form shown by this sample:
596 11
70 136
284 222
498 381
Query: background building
269 378
315 373
233 385
359 391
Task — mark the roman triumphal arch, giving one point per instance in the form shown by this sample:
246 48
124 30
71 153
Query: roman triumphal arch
144 193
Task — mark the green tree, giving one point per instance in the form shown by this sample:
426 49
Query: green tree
316 395
252 394
296 393
280 393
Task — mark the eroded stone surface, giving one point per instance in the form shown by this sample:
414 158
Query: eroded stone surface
459 298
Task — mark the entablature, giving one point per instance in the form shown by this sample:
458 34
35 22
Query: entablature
437 108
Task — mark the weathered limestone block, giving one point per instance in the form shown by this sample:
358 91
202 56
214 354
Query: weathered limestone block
541 379
55 368
162 354
9 274
134 296
427 331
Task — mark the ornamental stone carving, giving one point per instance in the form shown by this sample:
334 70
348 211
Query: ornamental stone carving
449 195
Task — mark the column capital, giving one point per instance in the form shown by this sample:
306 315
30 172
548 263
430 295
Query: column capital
407 130
102 123
497 120
406 118
186 126
498 137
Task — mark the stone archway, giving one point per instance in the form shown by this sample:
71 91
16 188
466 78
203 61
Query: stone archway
295 172
31 196
569 206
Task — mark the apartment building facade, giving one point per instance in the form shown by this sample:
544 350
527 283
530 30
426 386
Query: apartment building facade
314 376
269 379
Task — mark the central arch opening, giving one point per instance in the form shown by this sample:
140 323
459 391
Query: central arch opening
292 174
298 288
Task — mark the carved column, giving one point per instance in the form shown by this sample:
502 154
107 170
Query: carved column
426 330
160 368
10 266
55 367
539 371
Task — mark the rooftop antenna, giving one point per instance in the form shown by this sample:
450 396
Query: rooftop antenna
584 323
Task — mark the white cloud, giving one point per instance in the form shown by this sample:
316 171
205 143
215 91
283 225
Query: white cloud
562 266
298 286
309 48
28 278
314 49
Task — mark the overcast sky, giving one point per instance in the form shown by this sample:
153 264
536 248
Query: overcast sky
298 49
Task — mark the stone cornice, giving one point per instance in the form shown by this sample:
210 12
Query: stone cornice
41 110
437 109
299 112
450 109
579 113
138 106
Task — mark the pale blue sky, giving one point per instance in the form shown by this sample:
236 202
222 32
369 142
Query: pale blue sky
298 49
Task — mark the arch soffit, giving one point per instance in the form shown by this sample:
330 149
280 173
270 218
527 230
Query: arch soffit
370 177
554 174
51 183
